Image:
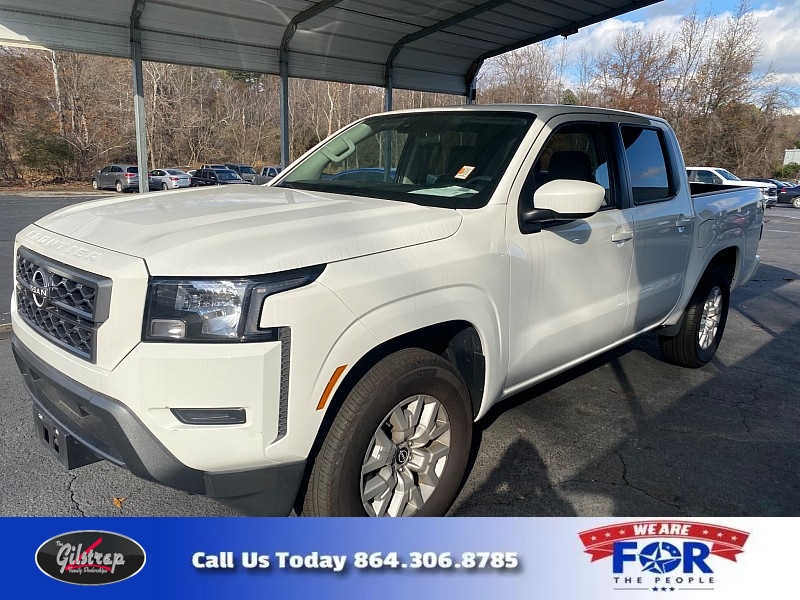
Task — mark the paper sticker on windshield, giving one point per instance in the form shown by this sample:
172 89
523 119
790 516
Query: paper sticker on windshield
464 172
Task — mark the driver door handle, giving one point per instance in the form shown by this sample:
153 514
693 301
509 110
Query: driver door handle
683 221
621 236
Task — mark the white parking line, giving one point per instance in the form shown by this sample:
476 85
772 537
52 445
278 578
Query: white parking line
780 231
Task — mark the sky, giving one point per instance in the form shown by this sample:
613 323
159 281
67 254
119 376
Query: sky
778 20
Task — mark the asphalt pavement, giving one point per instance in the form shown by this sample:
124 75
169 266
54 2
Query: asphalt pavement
625 434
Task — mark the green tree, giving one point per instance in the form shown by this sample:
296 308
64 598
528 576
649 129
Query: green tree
569 97
46 152
790 171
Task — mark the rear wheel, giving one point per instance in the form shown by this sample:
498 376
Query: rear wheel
702 324
164 187
119 186
399 446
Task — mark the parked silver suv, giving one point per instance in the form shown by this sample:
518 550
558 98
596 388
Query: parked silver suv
119 177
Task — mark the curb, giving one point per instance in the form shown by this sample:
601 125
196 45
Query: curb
55 194
5 327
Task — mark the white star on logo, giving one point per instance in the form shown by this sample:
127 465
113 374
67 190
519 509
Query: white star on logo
719 535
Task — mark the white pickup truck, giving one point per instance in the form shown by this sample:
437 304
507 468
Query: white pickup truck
325 344
716 176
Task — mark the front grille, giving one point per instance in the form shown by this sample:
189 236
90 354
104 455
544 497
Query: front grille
64 304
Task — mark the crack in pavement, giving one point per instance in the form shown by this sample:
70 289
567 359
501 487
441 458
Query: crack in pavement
742 405
638 489
75 503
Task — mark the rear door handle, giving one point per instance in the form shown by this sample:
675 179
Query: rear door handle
621 236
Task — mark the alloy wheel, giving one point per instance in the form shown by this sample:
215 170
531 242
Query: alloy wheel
405 458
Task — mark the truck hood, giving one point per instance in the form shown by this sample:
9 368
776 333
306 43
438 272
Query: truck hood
248 230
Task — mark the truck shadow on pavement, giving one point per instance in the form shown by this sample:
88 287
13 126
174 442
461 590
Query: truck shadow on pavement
620 435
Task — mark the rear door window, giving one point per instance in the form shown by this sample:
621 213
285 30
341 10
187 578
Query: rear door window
648 164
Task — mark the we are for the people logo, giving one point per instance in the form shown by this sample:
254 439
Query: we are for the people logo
663 556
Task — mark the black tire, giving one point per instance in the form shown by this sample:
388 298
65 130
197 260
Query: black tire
164 187
95 185
411 375
118 187
796 201
688 348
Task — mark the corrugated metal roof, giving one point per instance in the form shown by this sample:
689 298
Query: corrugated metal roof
428 47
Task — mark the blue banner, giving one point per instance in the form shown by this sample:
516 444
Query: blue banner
385 559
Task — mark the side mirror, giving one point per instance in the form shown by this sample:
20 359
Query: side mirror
565 200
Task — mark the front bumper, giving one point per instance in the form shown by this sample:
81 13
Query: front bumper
109 430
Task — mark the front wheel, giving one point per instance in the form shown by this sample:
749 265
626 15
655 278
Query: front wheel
399 445
796 201
95 185
703 322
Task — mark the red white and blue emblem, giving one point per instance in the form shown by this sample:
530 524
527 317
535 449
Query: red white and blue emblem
665 556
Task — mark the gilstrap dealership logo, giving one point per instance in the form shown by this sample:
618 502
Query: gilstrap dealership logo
663 556
90 557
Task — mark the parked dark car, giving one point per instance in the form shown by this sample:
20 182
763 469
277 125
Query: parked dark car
216 177
246 172
772 193
785 193
118 177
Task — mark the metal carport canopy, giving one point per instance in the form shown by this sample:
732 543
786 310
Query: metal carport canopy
434 47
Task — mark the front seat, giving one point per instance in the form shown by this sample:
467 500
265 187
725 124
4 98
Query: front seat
570 164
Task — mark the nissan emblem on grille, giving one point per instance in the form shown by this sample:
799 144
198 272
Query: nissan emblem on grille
40 288
65 304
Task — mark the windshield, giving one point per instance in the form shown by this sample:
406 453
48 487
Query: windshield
726 175
226 174
447 159
247 170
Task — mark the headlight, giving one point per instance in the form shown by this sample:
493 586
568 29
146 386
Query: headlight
216 310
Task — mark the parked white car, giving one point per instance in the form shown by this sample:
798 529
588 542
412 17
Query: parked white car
326 344
169 179
267 174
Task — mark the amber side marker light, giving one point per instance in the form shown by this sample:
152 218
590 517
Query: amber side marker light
329 388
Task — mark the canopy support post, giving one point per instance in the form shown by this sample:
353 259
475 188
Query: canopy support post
138 96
